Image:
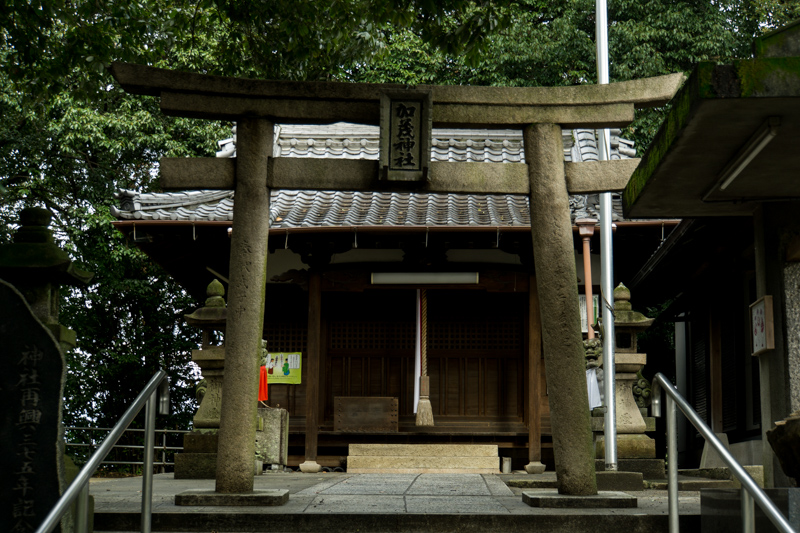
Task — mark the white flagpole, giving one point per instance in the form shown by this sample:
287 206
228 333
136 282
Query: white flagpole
417 352
606 254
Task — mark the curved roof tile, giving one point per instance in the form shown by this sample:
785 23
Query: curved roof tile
294 209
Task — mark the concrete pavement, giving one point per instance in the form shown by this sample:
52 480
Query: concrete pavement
377 502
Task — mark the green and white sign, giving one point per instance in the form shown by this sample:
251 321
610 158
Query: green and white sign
284 368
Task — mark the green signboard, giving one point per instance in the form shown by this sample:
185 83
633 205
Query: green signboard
284 368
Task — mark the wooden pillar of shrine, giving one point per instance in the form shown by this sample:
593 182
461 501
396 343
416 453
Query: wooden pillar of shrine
314 351
534 465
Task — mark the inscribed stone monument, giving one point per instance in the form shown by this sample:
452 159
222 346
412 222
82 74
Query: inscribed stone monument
32 382
31 439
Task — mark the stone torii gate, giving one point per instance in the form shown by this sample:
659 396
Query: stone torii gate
541 113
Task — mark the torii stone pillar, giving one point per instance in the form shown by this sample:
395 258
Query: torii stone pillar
248 267
554 259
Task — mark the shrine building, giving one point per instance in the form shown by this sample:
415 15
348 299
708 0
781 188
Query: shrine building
485 361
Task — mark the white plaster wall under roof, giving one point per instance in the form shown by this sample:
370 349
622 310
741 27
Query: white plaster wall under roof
453 256
288 260
361 255
497 257
282 261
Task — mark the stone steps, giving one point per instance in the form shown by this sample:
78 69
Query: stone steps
606 481
709 478
687 483
554 521
724 474
423 459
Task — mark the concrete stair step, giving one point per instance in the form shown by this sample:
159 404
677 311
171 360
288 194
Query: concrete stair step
723 473
426 450
709 478
554 521
688 483
363 463
606 481
423 459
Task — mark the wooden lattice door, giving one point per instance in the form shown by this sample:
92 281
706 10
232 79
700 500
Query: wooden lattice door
370 358
475 353
476 368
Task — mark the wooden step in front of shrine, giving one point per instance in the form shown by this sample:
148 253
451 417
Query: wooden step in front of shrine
423 459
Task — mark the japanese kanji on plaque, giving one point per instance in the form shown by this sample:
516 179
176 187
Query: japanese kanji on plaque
405 135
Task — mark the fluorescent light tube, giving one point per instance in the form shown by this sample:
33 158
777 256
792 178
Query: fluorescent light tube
757 142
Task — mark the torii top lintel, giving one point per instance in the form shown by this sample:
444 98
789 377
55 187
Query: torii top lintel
217 97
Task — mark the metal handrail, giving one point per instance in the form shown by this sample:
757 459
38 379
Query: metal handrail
750 490
162 448
79 488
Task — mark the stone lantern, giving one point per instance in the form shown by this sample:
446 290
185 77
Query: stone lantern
632 443
38 267
199 458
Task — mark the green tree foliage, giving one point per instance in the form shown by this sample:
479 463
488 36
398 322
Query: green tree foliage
70 138
71 155
553 43
48 40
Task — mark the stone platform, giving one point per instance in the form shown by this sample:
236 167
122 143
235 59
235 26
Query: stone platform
211 498
606 481
378 503
602 500
423 459
198 460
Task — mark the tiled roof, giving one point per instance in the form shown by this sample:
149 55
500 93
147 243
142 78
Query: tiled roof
316 209
308 209
356 141
187 205
294 209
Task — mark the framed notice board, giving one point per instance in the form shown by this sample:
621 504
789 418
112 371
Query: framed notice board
762 326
